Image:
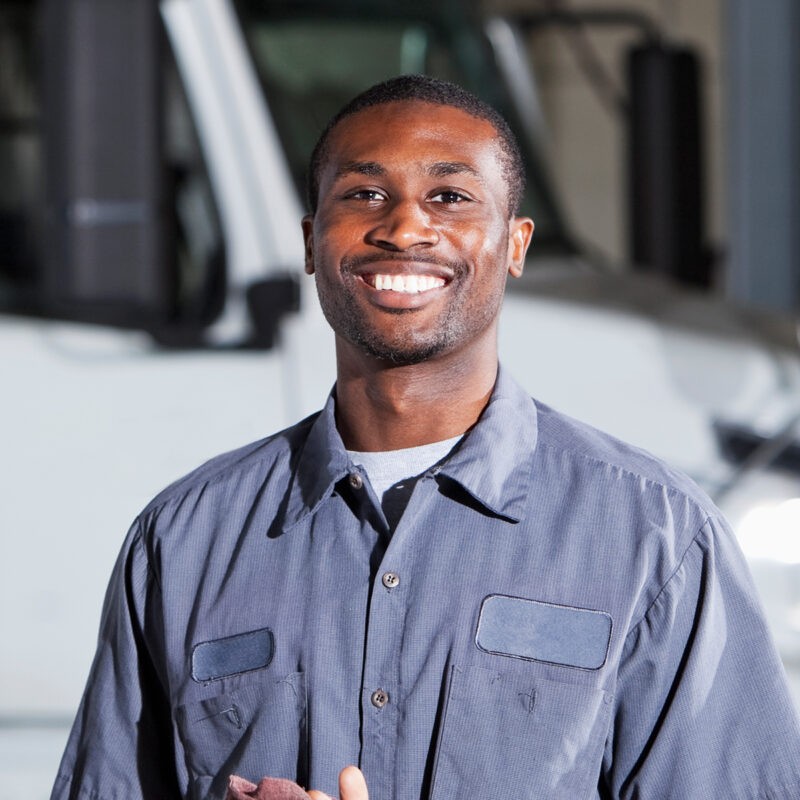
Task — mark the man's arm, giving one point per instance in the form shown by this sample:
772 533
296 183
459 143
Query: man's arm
121 744
702 704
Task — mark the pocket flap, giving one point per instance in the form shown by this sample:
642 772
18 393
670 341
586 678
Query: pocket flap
521 628
232 655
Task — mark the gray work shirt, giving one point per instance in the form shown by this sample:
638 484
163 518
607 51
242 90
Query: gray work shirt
556 615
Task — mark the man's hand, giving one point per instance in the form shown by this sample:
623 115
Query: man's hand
352 786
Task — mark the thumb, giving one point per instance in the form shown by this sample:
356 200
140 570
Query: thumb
352 785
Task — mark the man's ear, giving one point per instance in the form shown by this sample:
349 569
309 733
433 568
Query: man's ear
519 237
308 239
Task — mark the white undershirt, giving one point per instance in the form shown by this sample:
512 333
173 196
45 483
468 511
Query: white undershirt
388 467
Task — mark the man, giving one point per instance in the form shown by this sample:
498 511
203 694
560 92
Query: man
436 578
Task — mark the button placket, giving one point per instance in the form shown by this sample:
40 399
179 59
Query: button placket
383 698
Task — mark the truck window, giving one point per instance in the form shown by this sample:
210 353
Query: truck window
312 58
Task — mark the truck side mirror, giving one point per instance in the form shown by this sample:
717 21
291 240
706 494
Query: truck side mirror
106 220
665 165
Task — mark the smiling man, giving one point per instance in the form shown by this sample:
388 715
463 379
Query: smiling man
436 578
412 238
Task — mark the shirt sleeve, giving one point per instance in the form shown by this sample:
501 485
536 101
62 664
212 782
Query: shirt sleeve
121 744
702 703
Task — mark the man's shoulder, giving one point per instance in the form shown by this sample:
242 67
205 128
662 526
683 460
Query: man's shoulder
600 451
276 451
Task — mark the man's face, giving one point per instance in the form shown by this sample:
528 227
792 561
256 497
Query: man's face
412 240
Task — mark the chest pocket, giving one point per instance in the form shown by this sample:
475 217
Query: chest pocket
253 730
503 735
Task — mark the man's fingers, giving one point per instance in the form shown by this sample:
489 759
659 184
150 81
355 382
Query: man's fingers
352 785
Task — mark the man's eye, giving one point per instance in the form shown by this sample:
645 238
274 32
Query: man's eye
449 197
365 194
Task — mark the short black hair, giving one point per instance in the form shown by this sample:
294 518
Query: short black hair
426 89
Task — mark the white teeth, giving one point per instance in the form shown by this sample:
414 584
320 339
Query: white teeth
408 284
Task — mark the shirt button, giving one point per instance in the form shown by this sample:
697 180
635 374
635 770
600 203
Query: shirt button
379 698
390 580
356 481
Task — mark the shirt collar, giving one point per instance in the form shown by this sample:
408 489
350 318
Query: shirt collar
493 463
322 463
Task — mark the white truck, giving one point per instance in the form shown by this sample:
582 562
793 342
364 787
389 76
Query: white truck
153 311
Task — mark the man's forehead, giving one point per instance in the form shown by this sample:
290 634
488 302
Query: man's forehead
449 140
435 169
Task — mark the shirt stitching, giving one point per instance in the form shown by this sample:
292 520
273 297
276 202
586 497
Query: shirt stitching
290 441
668 581
670 489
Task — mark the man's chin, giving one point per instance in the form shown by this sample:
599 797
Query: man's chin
399 355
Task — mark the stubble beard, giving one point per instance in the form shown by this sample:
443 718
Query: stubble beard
454 326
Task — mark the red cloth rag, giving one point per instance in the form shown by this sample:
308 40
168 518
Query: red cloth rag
267 789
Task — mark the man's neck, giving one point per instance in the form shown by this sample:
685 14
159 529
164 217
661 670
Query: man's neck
386 407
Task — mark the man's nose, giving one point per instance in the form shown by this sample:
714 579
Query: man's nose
404 224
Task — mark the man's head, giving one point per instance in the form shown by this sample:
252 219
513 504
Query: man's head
426 89
411 240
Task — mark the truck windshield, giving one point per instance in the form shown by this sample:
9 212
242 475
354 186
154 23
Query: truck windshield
312 57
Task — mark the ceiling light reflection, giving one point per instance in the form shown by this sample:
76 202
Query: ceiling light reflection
772 532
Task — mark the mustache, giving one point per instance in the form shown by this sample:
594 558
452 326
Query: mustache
349 263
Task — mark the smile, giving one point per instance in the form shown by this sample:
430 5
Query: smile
407 284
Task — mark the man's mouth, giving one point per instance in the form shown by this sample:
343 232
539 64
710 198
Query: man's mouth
407 284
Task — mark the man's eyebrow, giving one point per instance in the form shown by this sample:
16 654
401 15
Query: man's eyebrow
369 168
441 169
